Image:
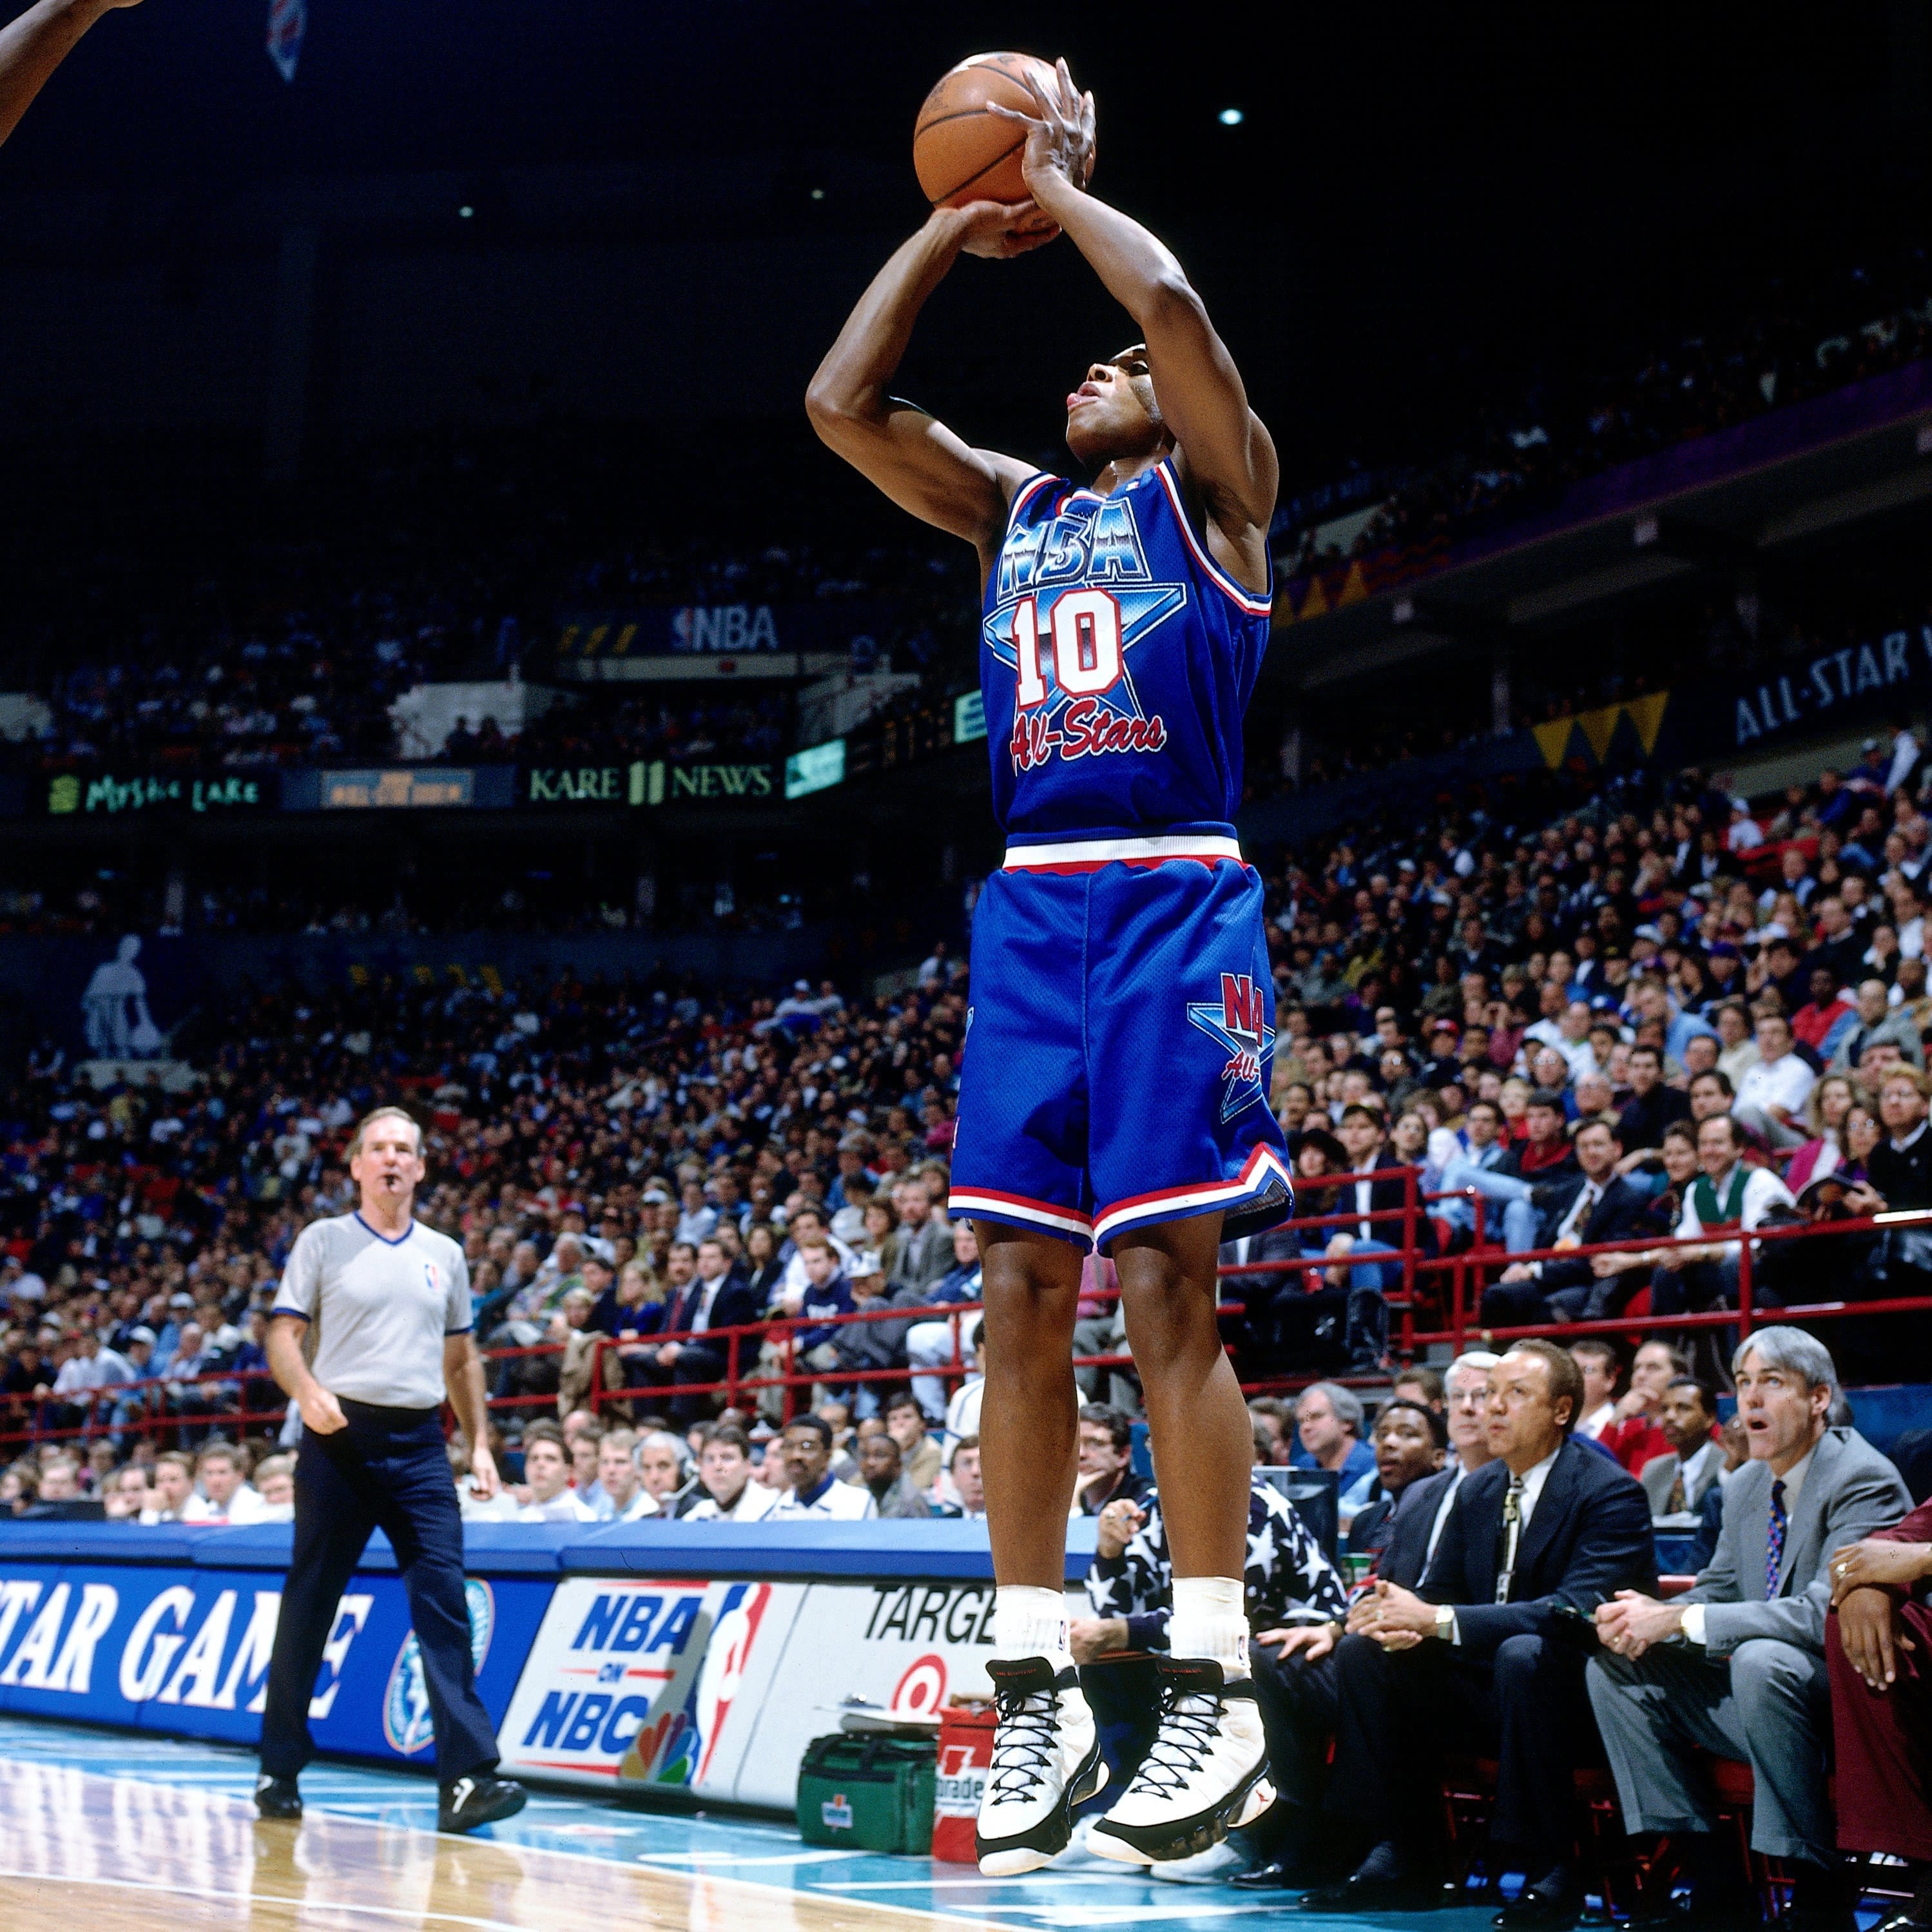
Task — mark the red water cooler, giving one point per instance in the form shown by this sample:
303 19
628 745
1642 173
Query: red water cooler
965 1756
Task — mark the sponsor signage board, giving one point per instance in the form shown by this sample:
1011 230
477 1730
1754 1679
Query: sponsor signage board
907 1647
640 1681
723 630
644 782
121 795
403 787
400 788
185 1652
969 718
817 769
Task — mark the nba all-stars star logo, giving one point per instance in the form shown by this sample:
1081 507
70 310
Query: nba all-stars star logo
1236 1021
1076 696
1074 598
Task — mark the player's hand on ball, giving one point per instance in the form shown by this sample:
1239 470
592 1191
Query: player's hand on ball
1059 133
321 1412
994 229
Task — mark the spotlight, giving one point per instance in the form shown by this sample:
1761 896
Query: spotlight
1231 117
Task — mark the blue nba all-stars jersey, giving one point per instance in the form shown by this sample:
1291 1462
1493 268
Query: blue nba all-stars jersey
1116 1073
1116 660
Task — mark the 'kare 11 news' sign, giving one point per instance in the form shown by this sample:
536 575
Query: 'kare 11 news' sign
646 782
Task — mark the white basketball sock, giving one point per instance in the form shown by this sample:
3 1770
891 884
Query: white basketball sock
1210 1620
1030 1621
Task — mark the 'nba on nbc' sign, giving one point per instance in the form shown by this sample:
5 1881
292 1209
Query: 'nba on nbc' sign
637 1680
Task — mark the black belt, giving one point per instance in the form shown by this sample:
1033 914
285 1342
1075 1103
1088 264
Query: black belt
375 1415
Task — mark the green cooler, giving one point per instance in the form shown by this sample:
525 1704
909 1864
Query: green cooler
874 1794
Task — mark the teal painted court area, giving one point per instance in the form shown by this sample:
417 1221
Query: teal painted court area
753 1852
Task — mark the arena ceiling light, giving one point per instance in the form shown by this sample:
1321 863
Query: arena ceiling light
1231 117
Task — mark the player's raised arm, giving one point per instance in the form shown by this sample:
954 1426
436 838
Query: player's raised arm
914 458
1225 448
32 46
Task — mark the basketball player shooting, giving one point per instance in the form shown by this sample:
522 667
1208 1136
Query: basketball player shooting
1114 1085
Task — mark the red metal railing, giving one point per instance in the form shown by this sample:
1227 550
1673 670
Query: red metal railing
1436 1304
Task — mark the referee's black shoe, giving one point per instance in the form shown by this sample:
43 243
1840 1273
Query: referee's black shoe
479 1800
276 1797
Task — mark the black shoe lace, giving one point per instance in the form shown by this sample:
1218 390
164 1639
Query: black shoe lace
1023 1741
1189 1722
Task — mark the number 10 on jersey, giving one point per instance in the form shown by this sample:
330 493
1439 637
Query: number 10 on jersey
1084 637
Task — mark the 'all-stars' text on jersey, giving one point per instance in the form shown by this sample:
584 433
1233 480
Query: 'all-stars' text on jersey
1116 660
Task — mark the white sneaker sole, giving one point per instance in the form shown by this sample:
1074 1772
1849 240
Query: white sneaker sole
1244 1809
1011 1860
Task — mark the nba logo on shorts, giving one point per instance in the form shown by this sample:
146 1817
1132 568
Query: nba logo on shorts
1236 1022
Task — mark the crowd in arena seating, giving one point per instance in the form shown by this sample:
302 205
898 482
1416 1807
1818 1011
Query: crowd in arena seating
1671 1018
260 633
1803 339
1649 1023
1632 1024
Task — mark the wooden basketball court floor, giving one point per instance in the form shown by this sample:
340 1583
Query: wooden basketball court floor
109 1831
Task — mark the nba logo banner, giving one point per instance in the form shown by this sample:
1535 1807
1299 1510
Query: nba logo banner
288 22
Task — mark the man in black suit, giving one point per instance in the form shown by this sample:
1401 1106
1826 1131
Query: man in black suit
1374 1185
1652 1106
1595 1205
1295 1666
1489 1653
716 1299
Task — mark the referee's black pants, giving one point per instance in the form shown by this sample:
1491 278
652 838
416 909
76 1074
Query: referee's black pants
387 1470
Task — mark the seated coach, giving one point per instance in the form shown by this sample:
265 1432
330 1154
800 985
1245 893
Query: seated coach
1736 1666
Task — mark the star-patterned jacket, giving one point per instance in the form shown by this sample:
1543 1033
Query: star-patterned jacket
1287 1579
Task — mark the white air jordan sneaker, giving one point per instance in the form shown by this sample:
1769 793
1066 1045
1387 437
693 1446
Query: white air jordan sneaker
1204 1776
1046 1759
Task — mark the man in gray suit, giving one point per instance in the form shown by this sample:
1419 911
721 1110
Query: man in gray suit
1736 1666
1675 1483
926 1241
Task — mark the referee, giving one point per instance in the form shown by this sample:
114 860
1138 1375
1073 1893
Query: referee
385 1304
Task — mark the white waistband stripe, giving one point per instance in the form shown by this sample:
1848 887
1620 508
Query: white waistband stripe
1100 851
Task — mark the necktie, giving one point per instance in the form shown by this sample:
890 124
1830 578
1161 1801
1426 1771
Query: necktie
1679 1501
1512 1530
1773 1543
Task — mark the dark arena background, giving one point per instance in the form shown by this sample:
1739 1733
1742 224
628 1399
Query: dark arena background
441 668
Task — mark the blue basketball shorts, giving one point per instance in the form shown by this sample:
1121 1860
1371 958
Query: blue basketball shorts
1116 1065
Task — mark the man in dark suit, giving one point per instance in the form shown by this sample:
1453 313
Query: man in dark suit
1595 1205
1374 1186
1295 1666
1410 1442
716 1300
1736 1666
1489 1653
1652 1106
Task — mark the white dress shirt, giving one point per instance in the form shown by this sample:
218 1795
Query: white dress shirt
1594 1424
1763 1191
1442 1510
1533 1481
1785 1082
1793 1480
754 1502
1365 1186
245 1505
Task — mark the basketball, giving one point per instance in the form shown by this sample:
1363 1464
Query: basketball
961 152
